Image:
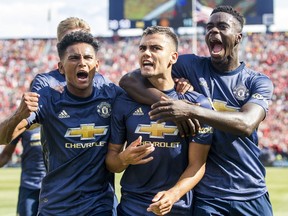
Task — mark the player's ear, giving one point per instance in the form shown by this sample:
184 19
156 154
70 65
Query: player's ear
238 38
174 57
97 64
61 68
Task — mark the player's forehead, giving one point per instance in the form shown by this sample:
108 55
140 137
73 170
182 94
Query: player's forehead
154 39
222 17
80 49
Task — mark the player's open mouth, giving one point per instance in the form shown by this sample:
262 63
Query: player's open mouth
147 64
216 47
82 75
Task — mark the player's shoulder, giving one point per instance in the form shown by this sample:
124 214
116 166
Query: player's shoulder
110 89
192 57
48 91
256 76
100 80
53 73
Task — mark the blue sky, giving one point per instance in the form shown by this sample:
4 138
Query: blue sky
29 18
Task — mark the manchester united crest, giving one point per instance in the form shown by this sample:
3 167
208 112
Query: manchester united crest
104 109
241 92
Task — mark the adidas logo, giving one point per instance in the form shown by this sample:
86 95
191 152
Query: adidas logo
63 114
138 112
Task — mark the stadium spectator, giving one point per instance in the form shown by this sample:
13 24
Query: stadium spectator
41 55
76 123
32 170
234 181
165 174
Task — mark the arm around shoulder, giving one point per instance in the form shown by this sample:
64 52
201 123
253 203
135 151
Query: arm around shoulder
139 88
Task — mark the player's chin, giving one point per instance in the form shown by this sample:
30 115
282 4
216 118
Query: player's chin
147 74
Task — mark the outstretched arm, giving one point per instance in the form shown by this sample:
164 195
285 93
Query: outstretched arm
163 201
17 123
118 160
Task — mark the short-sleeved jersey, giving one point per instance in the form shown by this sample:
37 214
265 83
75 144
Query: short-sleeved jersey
77 132
233 168
32 165
54 79
140 183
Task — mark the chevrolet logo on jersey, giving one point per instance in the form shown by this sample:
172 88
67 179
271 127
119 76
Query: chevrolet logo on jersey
86 131
156 130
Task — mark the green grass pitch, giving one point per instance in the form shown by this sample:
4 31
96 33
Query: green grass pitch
276 181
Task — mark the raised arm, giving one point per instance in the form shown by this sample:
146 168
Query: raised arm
17 123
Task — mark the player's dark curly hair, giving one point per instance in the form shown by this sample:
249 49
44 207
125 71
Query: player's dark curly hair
230 10
76 37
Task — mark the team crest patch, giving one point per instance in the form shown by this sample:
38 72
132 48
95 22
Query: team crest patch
241 92
104 109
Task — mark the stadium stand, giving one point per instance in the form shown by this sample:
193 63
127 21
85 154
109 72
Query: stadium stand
22 59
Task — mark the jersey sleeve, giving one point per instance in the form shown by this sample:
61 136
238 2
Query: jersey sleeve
118 128
261 91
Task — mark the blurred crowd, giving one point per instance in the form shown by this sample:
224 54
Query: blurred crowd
22 59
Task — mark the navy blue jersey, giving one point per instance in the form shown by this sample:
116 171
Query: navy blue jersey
77 132
32 165
233 169
140 183
54 79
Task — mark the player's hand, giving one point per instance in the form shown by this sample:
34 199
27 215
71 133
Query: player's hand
29 104
183 85
177 111
162 203
136 153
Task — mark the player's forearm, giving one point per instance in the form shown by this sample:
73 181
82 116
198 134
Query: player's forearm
10 128
188 180
6 154
114 163
140 89
237 123
4 160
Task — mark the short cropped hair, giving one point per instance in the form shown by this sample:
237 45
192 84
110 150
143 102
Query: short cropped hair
71 23
162 30
76 37
230 10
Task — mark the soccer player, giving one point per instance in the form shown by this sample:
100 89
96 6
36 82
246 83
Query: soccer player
161 167
32 170
76 123
56 79
234 181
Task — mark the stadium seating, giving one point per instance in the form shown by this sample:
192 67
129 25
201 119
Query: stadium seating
22 59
